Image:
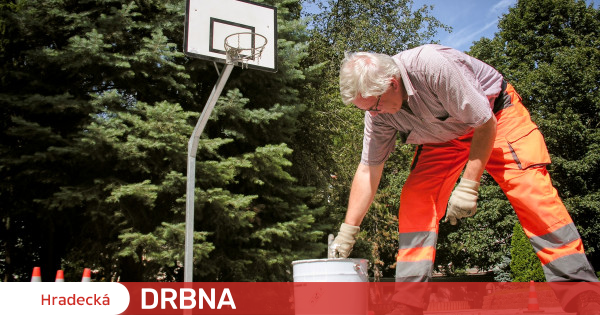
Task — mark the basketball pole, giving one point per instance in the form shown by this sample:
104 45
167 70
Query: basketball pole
188 264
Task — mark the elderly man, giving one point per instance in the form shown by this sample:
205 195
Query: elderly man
465 118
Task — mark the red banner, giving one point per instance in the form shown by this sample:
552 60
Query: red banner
300 298
350 298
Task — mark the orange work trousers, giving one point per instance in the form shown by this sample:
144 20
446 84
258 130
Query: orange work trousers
518 164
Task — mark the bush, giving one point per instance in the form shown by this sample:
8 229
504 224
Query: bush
524 265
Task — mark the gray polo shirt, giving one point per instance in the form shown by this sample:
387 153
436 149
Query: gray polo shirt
449 94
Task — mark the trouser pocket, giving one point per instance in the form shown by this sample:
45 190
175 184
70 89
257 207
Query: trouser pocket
528 148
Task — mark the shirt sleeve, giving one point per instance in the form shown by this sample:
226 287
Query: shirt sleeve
379 140
452 78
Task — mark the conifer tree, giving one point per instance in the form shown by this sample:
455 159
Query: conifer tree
524 264
98 102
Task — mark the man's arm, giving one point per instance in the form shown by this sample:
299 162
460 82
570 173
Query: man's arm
481 149
463 201
364 186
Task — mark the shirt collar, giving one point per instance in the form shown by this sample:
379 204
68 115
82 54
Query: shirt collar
410 90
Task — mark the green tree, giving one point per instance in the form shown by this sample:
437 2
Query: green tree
482 241
346 26
97 104
524 265
548 49
5 7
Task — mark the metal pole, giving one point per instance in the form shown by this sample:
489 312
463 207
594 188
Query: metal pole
188 264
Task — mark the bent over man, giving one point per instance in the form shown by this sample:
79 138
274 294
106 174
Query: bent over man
465 118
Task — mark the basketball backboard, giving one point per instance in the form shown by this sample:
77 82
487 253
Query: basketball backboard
209 22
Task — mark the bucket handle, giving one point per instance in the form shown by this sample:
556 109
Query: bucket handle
358 267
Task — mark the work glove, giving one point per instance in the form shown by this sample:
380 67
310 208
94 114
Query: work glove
463 202
344 241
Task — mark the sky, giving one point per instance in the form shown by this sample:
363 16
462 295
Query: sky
470 19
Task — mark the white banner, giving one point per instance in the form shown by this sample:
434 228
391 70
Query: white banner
63 298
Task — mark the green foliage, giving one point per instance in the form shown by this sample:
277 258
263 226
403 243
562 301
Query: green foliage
6 6
548 49
524 265
502 271
97 105
362 25
481 241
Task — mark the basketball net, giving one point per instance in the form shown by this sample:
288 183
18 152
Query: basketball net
243 47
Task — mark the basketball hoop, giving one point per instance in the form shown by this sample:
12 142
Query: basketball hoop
244 47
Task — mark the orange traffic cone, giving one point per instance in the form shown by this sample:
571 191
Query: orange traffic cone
60 276
533 305
36 276
87 275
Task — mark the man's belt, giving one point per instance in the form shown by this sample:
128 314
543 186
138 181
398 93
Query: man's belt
503 99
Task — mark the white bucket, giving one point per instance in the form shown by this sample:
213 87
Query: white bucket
314 296
330 270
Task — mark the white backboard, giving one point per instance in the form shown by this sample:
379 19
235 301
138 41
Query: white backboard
209 22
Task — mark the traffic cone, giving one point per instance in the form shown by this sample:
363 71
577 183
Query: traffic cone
87 275
533 305
60 276
36 276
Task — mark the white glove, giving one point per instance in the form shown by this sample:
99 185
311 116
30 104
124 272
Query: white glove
463 202
344 241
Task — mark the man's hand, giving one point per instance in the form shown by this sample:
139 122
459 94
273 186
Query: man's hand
344 241
463 202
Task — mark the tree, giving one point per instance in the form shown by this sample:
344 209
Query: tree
97 103
524 265
346 26
548 49
482 241
5 6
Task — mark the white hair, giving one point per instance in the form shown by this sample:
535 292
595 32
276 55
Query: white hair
366 74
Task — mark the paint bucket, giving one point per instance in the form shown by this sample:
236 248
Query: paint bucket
331 270
331 286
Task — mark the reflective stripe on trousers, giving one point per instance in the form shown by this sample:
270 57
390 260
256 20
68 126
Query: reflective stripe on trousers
517 164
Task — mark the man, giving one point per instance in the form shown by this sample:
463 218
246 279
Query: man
466 118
